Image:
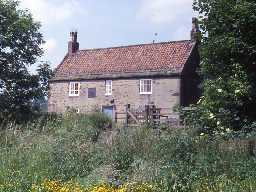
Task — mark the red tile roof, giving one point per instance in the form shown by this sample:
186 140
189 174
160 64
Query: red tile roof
158 57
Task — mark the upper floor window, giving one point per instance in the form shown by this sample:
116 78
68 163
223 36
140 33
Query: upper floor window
74 89
108 86
91 92
146 86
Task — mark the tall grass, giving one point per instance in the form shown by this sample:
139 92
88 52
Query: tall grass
83 148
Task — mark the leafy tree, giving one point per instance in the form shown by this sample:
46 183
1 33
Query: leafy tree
228 66
45 73
20 42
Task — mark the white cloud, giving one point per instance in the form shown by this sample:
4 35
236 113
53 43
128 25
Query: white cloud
52 11
50 45
164 11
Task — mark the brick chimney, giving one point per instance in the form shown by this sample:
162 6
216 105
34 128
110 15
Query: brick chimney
73 45
195 32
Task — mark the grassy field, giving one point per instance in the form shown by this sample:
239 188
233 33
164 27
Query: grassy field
81 153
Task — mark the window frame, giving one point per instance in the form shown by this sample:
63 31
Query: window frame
72 90
142 87
108 87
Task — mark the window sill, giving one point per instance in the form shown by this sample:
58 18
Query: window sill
74 95
146 93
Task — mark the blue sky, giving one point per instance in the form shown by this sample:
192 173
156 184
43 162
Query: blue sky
106 23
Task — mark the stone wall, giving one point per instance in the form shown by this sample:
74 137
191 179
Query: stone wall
165 94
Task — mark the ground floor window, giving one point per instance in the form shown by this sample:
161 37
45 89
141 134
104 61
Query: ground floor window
91 92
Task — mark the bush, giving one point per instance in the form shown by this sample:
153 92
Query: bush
176 160
99 122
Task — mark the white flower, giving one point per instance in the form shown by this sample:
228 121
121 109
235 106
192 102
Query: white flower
237 118
237 91
228 130
218 123
202 134
219 90
211 116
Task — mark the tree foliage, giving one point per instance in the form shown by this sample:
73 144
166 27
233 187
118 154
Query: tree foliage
228 66
20 42
45 73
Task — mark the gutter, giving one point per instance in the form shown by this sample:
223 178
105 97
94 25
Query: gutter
122 75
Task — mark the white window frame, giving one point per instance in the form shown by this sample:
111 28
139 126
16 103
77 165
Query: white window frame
142 87
72 91
108 87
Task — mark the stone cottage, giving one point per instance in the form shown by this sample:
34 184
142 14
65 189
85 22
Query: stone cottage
110 78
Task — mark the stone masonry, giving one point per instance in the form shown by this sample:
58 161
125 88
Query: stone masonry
165 94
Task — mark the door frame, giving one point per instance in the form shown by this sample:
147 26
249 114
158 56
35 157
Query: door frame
113 111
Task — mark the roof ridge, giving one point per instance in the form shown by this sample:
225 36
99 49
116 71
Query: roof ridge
135 45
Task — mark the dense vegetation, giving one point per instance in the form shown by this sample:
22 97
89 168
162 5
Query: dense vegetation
78 150
228 68
20 47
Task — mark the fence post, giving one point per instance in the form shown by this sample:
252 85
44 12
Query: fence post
115 117
127 108
251 147
154 115
147 113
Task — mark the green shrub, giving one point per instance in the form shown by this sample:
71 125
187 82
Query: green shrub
175 160
99 123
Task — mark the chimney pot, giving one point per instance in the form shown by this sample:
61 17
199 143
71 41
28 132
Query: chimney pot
73 45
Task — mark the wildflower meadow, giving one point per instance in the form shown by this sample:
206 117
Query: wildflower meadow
82 153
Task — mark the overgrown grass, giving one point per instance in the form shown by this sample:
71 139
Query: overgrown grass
83 149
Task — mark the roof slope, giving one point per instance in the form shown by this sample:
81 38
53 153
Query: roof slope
92 63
